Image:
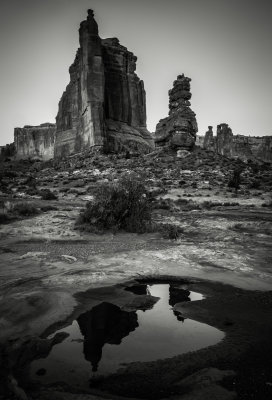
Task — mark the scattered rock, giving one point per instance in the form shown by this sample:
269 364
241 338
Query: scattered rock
33 254
70 259
183 153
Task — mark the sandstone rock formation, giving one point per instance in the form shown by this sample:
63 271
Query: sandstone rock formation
7 151
237 146
179 129
104 104
208 138
35 142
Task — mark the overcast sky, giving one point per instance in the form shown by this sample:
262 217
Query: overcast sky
223 45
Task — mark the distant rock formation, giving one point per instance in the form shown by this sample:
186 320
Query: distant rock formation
7 151
208 141
237 146
104 104
179 129
35 142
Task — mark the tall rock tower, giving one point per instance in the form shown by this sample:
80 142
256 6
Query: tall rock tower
103 105
179 129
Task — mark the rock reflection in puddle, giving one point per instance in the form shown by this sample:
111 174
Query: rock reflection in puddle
112 338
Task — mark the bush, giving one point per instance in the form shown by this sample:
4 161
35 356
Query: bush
25 209
171 231
46 194
4 218
269 204
32 191
255 184
119 205
210 204
235 179
48 208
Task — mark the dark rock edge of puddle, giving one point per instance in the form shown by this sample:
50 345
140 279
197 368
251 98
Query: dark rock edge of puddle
244 316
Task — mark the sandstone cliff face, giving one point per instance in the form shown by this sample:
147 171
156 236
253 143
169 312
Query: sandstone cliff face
179 129
125 100
237 146
104 103
35 141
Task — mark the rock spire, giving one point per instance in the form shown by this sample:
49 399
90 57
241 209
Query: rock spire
104 104
179 129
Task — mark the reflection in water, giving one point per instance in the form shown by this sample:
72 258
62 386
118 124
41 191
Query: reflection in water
113 337
177 294
138 289
105 323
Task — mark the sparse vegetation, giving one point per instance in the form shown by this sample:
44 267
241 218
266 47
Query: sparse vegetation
24 209
235 179
4 218
46 194
255 184
171 231
119 205
48 208
268 204
210 204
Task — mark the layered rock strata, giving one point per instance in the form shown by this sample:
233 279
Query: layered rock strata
35 142
104 104
179 129
237 146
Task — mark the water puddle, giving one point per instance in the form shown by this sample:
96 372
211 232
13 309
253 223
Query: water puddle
106 338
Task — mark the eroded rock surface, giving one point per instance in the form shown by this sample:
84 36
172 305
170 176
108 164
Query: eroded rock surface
179 129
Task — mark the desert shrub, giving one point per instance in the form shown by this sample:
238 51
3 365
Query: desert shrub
119 205
32 191
162 204
182 182
268 204
171 231
235 178
48 208
24 209
255 184
31 181
181 201
210 204
238 227
4 218
46 194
